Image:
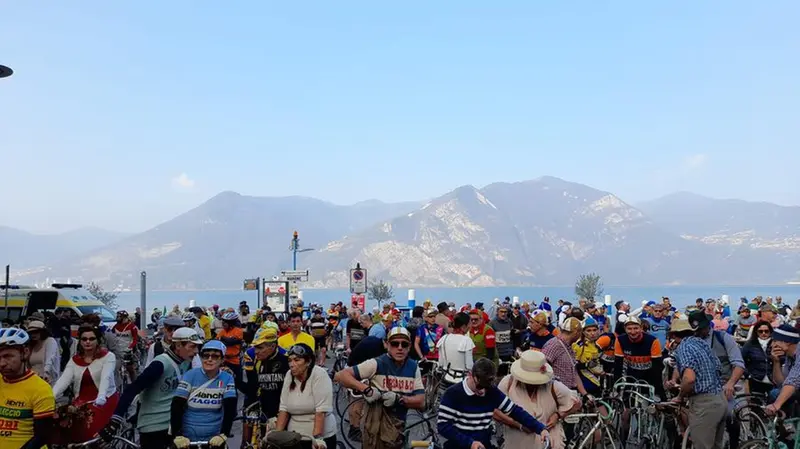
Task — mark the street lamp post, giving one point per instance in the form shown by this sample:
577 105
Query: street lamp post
5 71
295 248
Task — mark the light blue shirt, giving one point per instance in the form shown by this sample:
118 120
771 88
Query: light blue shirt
203 417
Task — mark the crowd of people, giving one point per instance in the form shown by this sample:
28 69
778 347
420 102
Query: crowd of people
524 366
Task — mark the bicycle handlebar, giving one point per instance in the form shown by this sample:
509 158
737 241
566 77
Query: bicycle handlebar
99 439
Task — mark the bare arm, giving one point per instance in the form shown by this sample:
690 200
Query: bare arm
283 420
416 402
319 424
347 379
687 383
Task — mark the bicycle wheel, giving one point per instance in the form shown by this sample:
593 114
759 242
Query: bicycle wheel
753 426
341 399
421 428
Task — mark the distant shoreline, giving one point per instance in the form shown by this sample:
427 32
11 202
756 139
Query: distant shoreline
605 287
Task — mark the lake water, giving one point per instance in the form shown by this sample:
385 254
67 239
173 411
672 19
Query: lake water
681 296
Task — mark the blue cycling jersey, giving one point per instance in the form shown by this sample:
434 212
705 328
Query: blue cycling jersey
203 417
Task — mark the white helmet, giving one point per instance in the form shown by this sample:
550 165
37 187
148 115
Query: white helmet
230 316
189 316
186 334
13 337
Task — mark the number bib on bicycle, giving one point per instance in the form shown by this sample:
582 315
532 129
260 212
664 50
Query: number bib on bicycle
22 401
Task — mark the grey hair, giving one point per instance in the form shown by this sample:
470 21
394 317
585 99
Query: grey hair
483 368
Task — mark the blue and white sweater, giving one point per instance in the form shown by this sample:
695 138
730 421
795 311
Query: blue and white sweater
465 417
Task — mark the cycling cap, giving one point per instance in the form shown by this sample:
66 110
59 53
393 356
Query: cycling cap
230 316
173 321
632 320
265 335
214 345
12 336
189 316
122 313
571 324
186 334
590 322
399 332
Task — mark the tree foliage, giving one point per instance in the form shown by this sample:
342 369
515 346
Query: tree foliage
380 292
107 298
589 286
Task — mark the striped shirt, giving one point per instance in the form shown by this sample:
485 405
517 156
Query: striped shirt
465 417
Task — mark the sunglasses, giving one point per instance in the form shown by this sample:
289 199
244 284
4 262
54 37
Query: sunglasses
400 344
763 331
210 355
297 350
88 338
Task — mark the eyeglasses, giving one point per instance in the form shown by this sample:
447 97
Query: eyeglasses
88 338
210 355
400 344
296 350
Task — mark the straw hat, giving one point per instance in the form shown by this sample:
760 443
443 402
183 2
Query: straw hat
36 325
532 368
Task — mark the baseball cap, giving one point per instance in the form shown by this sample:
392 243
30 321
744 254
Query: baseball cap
430 312
478 305
699 320
633 320
399 332
173 321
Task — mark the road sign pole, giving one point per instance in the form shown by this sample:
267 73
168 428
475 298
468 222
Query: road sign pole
143 300
295 245
8 276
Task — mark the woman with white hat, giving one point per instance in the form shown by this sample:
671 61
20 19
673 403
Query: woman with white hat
531 386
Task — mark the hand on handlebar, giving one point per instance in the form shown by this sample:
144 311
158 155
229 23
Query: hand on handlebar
771 410
181 442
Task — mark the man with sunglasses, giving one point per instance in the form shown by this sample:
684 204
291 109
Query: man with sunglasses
395 380
467 408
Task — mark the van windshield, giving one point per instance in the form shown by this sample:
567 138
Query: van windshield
105 314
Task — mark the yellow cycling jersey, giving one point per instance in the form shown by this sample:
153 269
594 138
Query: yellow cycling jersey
22 401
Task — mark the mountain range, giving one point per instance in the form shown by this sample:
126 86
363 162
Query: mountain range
540 232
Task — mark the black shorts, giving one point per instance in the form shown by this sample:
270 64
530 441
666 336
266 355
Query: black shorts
319 342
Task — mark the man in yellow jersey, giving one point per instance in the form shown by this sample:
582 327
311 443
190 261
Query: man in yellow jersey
27 404
296 335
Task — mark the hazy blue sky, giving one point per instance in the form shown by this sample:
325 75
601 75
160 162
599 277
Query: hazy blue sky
123 114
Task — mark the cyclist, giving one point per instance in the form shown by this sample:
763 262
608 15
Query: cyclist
316 326
205 402
233 338
127 338
638 355
395 380
265 365
190 321
171 324
429 335
295 334
155 387
27 404
540 331
482 336
502 326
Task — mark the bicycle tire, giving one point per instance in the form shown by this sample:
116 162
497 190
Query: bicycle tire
757 428
755 444
687 441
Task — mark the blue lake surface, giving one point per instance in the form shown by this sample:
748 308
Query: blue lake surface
681 296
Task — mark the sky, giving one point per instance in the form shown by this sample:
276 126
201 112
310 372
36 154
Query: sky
122 115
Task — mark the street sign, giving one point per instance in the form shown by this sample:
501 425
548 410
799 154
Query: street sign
292 278
276 295
358 281
302 274
250 285
358 302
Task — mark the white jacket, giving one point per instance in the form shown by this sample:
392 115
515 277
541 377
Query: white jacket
102 372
